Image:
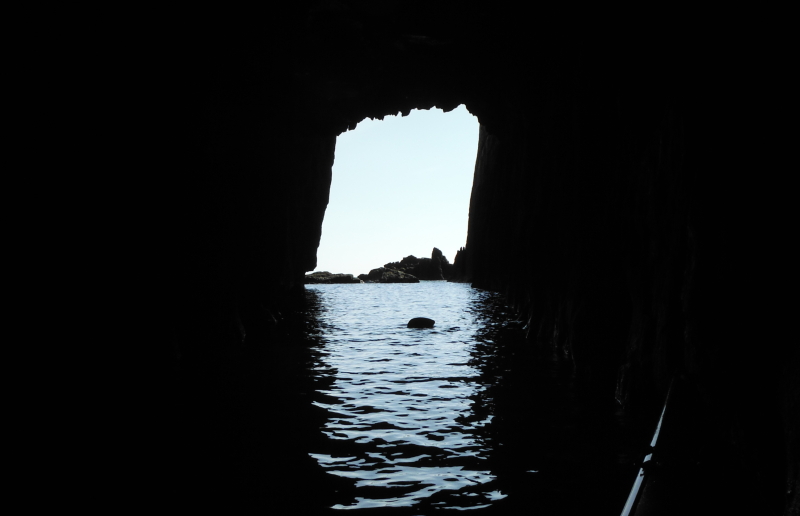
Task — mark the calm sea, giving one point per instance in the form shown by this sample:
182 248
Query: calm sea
450 418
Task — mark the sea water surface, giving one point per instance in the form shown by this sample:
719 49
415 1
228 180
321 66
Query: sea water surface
401 423
442 418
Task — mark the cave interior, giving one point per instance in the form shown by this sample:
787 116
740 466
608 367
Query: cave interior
621 202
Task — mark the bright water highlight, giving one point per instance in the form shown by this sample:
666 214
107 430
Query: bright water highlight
401 403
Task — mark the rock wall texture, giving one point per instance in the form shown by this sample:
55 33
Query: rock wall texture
611 217
626 195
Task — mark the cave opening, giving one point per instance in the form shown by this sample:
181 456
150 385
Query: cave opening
608 211
401 186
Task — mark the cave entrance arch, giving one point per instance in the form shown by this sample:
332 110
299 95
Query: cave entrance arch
401 185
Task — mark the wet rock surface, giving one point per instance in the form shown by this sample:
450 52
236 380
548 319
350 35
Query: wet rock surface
421 322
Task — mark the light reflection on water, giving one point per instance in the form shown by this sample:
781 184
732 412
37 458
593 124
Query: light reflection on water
399 401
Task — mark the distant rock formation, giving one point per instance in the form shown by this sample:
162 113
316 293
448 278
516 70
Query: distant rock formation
327 277
459 272
384 275
437 267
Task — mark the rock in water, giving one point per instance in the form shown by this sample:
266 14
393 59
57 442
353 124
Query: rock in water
327 277
384 275
421 322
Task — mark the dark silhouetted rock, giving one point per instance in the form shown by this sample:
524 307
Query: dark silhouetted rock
457 271
435 268
398 277
327 277
421 322
375 275
384 275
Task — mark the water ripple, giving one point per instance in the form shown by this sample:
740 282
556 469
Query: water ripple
400 421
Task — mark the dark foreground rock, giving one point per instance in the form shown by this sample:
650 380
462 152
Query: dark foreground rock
327 277
384 275
421 322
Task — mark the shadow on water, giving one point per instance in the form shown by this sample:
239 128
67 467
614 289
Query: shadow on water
554 442
252 431
244 422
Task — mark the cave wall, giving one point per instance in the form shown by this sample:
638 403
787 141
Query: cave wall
618 215
612 201
580 212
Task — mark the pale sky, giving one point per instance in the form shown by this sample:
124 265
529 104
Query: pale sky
400 186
